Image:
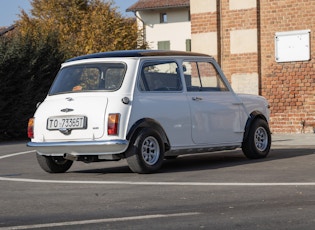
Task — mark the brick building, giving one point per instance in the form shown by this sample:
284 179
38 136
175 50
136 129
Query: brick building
264 47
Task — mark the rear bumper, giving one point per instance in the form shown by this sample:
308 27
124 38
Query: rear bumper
78 148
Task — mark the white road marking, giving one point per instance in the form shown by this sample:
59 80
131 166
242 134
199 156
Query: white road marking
16 154
98 221
157 183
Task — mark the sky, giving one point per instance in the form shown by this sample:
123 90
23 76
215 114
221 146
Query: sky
10 9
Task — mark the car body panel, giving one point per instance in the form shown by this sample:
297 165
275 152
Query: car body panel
216 118
90 106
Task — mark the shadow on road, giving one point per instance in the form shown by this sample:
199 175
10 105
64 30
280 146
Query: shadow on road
208 161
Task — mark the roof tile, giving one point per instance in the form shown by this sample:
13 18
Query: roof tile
157 4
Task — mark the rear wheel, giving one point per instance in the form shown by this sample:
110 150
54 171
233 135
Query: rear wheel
146 152
258 141
53 164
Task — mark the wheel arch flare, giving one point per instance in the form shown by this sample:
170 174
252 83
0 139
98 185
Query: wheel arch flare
148 123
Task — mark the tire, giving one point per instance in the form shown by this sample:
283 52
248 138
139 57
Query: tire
146 152
258 141
53 164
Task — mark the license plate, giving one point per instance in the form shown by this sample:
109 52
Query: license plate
69 122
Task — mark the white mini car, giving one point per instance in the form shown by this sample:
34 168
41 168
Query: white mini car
144 106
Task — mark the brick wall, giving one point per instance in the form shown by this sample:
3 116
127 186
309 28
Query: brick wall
237 21
289 86
204 22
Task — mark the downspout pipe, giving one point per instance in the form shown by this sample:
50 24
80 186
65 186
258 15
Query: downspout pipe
259 59
143 27
219 33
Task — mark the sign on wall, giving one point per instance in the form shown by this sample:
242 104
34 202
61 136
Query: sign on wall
292 46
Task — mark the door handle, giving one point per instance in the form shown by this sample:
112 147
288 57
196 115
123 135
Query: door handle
237 103
197 98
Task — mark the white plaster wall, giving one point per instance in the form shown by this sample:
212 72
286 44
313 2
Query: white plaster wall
242 4
245 83
173 15
176 33
205 43
202 6
244 41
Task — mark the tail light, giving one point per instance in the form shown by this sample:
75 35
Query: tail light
30 128
113 124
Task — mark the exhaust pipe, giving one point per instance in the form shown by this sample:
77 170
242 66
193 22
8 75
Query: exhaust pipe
70 157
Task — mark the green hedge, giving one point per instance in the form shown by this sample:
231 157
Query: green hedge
27 69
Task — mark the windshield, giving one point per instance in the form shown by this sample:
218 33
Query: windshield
89 77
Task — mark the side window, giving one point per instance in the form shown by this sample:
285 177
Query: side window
160 76
202 76
163 17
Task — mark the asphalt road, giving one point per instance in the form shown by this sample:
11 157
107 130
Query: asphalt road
206 191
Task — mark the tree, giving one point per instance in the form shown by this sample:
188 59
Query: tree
56 30
82 26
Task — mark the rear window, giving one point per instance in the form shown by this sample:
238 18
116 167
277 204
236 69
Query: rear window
90 77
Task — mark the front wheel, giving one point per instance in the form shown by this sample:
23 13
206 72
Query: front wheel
53 164
146 152
258 141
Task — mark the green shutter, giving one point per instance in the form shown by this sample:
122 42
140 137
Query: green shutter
188 44
164 45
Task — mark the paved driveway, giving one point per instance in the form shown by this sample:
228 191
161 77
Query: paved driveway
206 191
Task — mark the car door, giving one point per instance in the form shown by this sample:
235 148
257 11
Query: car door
215 109
161 98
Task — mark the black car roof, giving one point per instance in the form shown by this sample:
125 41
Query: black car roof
136 53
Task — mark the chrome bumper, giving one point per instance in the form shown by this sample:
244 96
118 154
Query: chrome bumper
80 147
